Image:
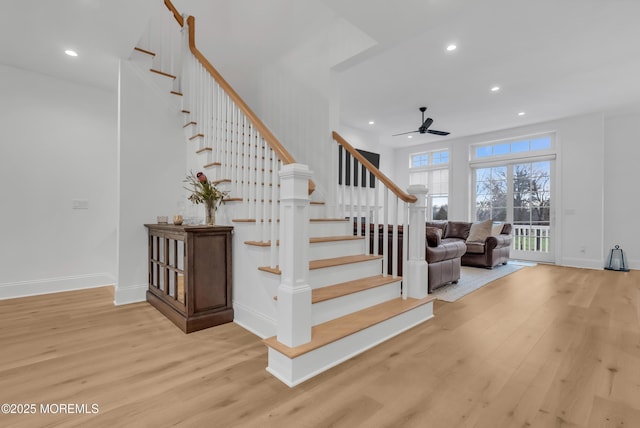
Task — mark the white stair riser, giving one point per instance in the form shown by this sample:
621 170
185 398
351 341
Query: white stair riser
326 250
143 60
319 250
204 156
319 278
344 273
189 131
317 211
316 229
345 305
329 228
164 82
295 371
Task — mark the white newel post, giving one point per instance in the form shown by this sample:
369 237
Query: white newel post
418 272
294 292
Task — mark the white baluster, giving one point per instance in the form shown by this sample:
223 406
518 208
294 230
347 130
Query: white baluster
265 191
367 213
343 190
394 253
274 207
376 216
385 232
357 176
406 273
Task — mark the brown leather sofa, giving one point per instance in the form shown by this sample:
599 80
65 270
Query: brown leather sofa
447 249
494 250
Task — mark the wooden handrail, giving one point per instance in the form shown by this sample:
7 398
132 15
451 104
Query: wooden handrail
268 136
375 171
175 12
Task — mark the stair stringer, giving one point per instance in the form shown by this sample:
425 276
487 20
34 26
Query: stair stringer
253 290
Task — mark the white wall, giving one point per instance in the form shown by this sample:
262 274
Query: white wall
296 93
579 190
151 167
622 175
58 143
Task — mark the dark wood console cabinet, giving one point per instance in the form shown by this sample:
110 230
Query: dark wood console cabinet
190 274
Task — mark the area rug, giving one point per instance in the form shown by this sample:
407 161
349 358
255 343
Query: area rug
473 278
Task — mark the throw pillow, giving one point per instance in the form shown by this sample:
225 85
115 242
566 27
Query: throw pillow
434 236
496 229
480 231
457 229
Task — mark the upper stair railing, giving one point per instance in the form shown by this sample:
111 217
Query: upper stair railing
231 139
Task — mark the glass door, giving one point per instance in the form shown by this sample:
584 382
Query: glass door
520 194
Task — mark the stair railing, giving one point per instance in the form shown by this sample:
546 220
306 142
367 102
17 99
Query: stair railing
377 207
229 136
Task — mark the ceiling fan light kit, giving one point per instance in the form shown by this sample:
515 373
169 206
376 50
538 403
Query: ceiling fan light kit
424 128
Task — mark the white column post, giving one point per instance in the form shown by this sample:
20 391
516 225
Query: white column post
417 263
294 292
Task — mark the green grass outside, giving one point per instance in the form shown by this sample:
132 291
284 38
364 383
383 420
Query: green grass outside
523 243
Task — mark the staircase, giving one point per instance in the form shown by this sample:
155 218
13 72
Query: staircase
318 289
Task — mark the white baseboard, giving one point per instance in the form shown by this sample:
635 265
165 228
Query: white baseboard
125 295
583 263
12 290
257 323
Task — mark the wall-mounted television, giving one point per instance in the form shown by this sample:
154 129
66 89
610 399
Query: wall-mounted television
357 179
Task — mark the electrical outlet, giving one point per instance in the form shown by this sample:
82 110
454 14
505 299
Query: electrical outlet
80 204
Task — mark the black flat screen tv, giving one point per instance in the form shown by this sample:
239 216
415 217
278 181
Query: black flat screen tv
357 179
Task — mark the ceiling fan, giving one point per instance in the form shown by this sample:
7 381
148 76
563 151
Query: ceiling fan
424 128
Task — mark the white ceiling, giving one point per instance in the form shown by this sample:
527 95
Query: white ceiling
551 58
35 34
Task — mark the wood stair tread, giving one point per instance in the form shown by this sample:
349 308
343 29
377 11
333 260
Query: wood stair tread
316 240
345 288
162 73
336 329
325 263
252 220
144 51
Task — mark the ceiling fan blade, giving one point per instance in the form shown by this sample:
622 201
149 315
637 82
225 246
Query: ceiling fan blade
404 133
433 131
427 123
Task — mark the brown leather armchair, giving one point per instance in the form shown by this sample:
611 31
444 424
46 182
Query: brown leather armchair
490 253
443 257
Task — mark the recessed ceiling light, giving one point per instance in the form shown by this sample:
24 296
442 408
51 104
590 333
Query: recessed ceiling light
452 47
71 53
409 136
521 113
495 89
371 122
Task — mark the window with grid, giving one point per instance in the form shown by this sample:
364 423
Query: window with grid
432 170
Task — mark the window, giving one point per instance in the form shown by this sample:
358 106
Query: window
512 148
512 182
432 170
419 160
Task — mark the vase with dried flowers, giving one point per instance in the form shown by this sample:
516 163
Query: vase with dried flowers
205 192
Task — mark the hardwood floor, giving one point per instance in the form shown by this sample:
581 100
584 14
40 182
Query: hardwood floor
544 347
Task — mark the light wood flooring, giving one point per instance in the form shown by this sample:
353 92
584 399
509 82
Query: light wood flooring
543 347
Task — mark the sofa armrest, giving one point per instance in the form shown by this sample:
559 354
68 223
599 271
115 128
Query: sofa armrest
498 241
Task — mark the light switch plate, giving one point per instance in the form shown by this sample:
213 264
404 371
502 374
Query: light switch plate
80 204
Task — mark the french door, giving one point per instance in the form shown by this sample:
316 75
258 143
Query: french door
519 193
